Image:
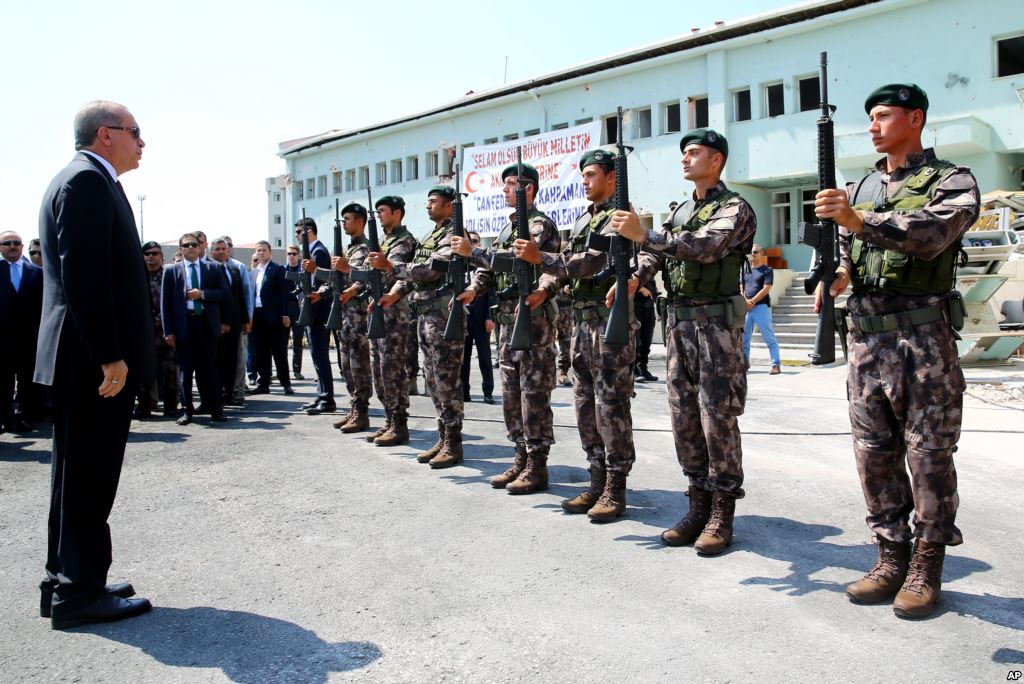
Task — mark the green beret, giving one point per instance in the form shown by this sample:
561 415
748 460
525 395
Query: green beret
150 245
529 173
900 95
603 158
354 208
707 138
446 191
393 202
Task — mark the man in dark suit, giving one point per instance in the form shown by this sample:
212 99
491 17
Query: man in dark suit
298 332
236 318
318 337
194 292
270 321
479 326
95 346
21 301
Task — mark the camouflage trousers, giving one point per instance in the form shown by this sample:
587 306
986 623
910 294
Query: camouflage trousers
354 355
442 367
527 378
412 347
707 390
165 386
906 405
389 361
603 392
564 329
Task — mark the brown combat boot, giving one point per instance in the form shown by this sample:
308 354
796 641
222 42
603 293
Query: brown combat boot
585 501
388 419
921 590
359 421
689 528
717 534
451 452
534 477
340 423
612 502
426 456
499 481
397 432
885 579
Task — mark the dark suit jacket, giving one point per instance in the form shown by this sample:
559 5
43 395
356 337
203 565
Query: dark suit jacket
322 309
20 311
95 293
234 312
174 309
275 292
294 300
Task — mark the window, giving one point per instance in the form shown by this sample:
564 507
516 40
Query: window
350 180
299 194
431 164
611 124
277 219
559 126
321 186
277 197
412 165
809 92
396 170
773 100
641 123
310 188
1010 56
782 218
336 182
511 136
697 112
532 131
278 241
580 122
364 177
741 105
670 121
807 205
382 173
490 141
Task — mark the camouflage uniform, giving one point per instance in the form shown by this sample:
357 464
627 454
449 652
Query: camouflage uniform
707 372
603 376
354 349
165 385
527 376
905 385
564 328
388 355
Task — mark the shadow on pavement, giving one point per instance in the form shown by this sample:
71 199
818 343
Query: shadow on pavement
247 647
169 437
1008 656
16 448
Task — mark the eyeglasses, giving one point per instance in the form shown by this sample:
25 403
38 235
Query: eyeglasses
134 130
34 252
293 254
143 254
11 243
189 245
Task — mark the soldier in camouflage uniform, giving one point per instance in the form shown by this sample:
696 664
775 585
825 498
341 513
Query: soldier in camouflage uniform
900 232
165 385
701 252
564 327
388 355
527 376
602 374
353 344
442 358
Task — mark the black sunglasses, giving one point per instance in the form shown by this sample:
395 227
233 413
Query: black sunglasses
151 254
11 243
34 252
188 245
134 130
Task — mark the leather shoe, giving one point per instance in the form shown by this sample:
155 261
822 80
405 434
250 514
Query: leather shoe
288 390
139 414
184 420
20 425
297 376
107 608
312 404
322 407
257 390
237 402
488 399
201 410
122 589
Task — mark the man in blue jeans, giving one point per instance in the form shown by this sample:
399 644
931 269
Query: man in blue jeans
756 286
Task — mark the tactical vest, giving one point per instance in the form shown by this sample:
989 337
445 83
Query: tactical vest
395 236
876 269
423 251
587 289
508 235
715 281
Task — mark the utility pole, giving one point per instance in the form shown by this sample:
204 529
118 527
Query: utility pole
142 219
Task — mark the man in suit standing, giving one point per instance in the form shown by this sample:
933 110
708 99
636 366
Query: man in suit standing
194 293
294 304
21 301
238 392
318 337
270 321
95 342
236 319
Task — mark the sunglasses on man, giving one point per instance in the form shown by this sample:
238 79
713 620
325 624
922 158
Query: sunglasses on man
134 130
11 243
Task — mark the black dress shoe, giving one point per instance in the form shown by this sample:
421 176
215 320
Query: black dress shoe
488 399
646 374
288 390
236 402
322 407
140 414
184 420
298 376
107 608
310 405
201 410
466 397
122 589
257 390
20 425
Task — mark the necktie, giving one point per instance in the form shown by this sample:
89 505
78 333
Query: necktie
16 277
195 286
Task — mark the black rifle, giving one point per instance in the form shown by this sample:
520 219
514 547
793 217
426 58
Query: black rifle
375 324
619 249
525 275
335 278
455 329
305 281
823 234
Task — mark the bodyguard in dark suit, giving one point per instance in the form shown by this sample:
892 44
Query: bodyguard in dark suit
298 332
194 292
270 321
318 337
235 320
95 342
21 301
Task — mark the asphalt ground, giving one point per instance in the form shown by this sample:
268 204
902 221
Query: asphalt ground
276 549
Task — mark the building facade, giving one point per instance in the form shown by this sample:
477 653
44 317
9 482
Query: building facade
755 80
